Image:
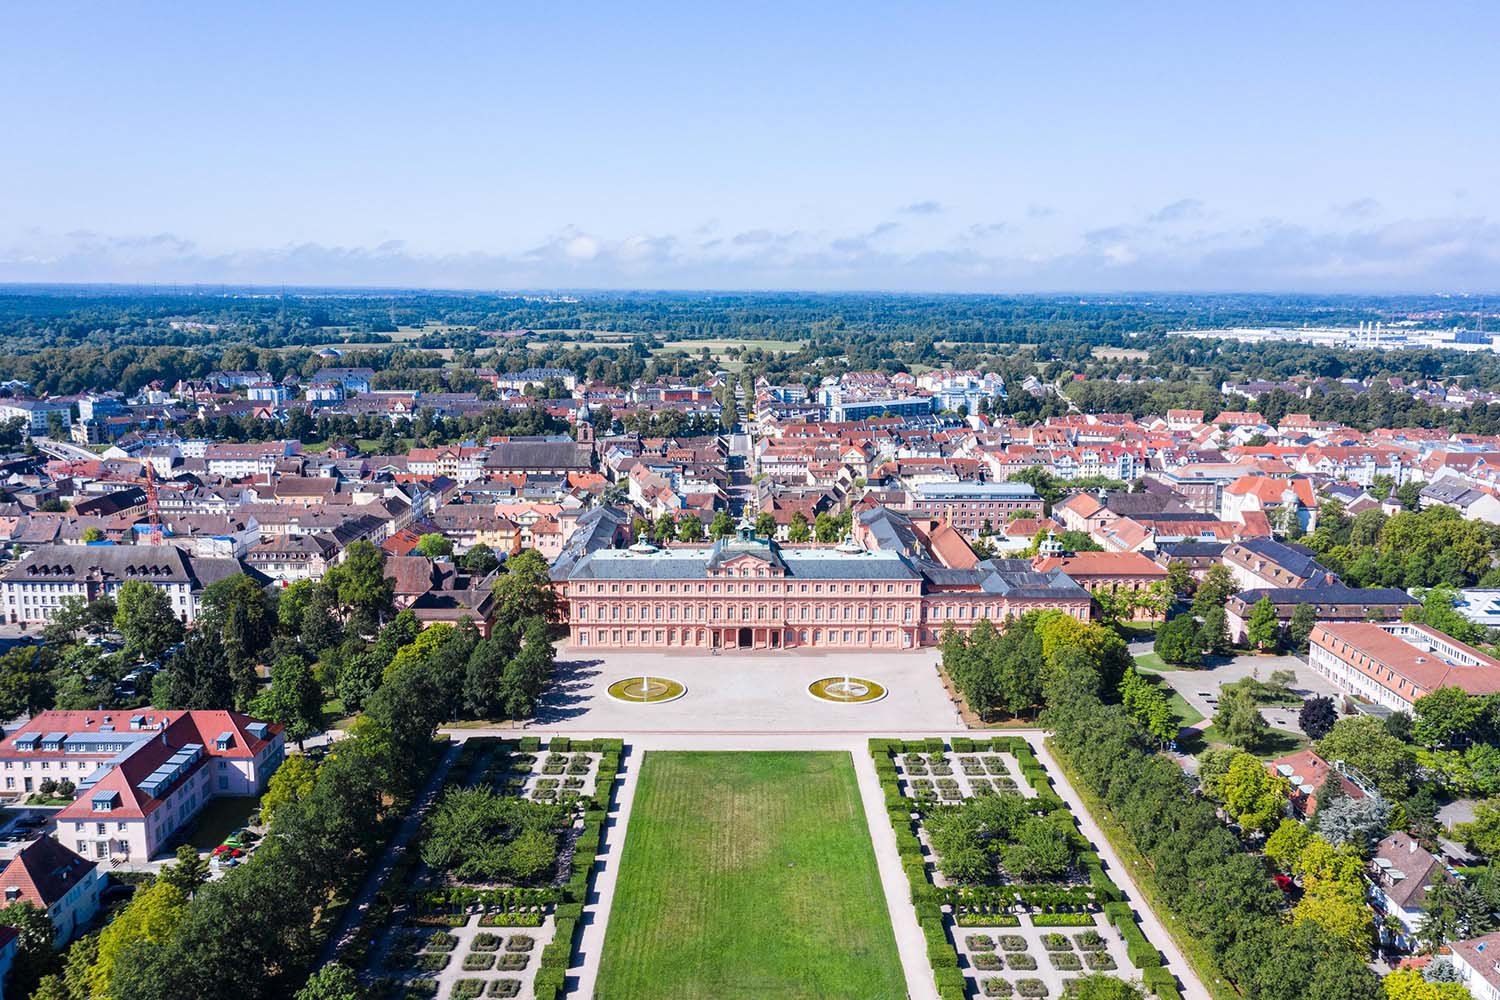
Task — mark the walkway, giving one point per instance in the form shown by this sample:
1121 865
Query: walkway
354 915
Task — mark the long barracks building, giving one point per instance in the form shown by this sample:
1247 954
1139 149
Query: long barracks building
893 585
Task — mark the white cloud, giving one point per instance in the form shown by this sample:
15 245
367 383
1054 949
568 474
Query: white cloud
1455 253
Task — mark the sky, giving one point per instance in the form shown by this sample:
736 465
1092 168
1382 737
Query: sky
954 147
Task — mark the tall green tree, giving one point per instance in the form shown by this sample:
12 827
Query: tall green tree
294 699
524 590
144 617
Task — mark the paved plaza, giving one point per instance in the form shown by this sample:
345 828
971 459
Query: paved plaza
1200 688
747 692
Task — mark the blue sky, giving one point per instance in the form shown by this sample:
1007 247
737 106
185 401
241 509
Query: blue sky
947 147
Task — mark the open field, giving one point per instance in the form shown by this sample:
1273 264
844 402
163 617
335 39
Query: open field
719 346
748 875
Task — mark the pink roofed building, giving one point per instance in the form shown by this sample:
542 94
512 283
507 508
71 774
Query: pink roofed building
141 774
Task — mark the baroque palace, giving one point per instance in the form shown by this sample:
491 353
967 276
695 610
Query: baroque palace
893 584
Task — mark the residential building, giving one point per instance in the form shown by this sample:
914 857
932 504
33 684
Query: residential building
1330 600
33 589
47 875
141 774
1401 873
1393 664
1257 563
1478 963
971 507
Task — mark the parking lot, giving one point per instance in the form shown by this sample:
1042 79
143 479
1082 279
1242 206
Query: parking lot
1200 688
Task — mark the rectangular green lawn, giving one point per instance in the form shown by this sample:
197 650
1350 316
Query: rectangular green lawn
748 875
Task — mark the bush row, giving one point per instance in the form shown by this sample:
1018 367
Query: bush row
552 970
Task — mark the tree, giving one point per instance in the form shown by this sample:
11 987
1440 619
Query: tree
1317 716
1263 629
1363 742
479 560
1254 796
690 528
1285 845
1447 717
485 690
1454 910
524 590
435 545
1359 823
1410 984
1040 851
238 616
1301 625
1103 986
332 982
722 526
1213 634
294 699
1238 717
1216 587
1148 706
154 913
35 957
1177 642
290 783
480 836
1482 833
798 532
1180 579
25 688
91 534
765 524
360 586
190 871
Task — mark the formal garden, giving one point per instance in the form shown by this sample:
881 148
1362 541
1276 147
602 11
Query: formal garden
749 874
1012 899
488 903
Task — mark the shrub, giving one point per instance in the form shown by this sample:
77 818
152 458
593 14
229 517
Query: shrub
1065 961
1056 942
1031 988
520 942
441 941
431 962
559 744
998 987
479 961
979 942
1012 942
1099 961
505 988
1062 920
530 744
486 942
510 961
1021 962
1089 941
950 983
467 989
986 961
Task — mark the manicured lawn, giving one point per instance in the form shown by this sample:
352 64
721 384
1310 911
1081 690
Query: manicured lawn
1280 743
748 875
1151 661
219 818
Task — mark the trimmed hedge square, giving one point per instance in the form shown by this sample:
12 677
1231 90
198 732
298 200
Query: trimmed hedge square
1021 962
998 987
1065 961
479 961
505 988
986 961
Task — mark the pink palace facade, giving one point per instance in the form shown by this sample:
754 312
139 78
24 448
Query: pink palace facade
889 592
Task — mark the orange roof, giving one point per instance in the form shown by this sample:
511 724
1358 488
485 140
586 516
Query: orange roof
1128 564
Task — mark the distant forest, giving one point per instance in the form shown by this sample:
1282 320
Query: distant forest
72 339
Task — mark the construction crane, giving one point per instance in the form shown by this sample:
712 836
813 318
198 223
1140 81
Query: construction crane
153 510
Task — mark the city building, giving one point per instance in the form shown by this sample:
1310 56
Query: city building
140 774
973 507
749 592
53 878
1478 963
1401 873
32 589
1395 663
